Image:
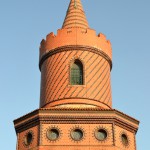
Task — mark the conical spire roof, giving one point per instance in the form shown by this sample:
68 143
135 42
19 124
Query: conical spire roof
75 16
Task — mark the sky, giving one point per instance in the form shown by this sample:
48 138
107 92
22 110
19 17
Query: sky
24 23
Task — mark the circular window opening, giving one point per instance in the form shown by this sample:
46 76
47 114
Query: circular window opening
101 134
28 139
52 134
124 139
77 134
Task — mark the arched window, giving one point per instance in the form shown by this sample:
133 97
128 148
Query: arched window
76 75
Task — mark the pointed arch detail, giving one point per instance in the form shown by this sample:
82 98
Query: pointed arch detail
76 73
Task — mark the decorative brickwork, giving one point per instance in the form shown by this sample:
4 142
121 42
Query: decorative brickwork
22 138
56 88
75 16
67 120
76 101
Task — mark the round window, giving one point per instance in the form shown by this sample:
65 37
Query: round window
28 139
101 134
77 134
52 134
124 139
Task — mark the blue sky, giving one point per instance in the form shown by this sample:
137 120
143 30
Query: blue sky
23 24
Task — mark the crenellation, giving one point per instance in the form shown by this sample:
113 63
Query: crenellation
76 36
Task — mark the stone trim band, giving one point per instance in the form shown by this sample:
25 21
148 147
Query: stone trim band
49 53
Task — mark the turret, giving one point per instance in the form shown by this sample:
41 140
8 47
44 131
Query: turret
76 102
75 64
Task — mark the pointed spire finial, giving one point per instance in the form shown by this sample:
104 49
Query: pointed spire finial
75 4
75 16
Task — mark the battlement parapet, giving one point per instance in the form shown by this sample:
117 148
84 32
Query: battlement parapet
76 36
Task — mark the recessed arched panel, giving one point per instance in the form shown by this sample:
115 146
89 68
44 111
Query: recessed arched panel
76 73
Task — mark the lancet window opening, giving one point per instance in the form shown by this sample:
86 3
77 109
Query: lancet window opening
76 73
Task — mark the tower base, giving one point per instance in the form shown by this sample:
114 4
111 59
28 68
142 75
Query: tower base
76 129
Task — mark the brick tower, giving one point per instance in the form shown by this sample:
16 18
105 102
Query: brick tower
76 104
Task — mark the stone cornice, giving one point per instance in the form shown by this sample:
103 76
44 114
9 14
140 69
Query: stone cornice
81 116
49 53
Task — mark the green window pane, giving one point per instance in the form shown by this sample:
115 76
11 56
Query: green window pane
77 73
